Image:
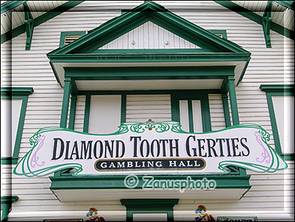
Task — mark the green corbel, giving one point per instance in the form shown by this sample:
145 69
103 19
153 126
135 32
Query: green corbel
29 24
266 21
6 202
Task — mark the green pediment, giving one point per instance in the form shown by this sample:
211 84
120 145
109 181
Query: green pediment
206 41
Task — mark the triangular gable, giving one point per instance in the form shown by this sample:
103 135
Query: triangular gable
149 36
149 12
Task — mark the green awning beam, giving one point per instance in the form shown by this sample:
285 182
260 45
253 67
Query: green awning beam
29 24
266 22
10 5
287 4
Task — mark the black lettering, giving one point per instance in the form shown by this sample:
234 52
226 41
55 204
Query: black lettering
86 149
118 142
54 155
245 146
175 147
136 138
98 149
75 151
211 145
235 146
201 147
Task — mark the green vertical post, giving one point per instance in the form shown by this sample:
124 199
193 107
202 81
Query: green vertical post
73 111
226 110
65 103
234 108
190 116
233 101
123 108
87 113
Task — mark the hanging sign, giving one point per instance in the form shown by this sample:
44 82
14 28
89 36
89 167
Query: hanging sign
150 147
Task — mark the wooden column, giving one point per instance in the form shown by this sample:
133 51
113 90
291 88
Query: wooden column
65 103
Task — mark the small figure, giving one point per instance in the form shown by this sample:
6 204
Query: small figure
202 215
92 216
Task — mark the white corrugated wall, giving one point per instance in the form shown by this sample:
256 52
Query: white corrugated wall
32 69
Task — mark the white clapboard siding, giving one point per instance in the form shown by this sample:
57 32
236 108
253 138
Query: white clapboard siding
80 110
149 36
31 68
141 108
216 111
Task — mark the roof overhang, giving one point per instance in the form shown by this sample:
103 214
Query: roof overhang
212 51
138 60
112 187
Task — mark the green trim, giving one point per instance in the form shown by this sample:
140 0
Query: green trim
87 48
277 90
128 73
63 36
141 92
285 88
206 118
147 55
9 5
39 20
287 4
219 32
20 128
256 18
226 110
149 11
16 93
244 71
191 95
8 160
149 206
87 113
229 86
73 111
266 20
65 103
29 23
68 182
6 202
123 108
190 115
233 101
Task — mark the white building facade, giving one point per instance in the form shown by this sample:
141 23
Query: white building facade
90 66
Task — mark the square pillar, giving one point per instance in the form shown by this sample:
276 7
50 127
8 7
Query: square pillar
233 100
65 103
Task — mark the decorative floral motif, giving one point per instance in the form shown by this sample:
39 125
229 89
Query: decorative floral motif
35 158
265 157
137 128
30 165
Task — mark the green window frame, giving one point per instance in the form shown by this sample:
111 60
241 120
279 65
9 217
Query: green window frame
20 93
149 206
277 90
205 110
174 95
219 32
64 35
88 95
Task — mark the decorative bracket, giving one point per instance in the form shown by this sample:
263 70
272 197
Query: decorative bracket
266 22
29 23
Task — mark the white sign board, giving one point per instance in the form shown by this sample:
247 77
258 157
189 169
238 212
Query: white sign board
150 147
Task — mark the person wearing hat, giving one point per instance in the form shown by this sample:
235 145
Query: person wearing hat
92 216
202 215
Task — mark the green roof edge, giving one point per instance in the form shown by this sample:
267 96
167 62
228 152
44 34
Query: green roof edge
39 20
